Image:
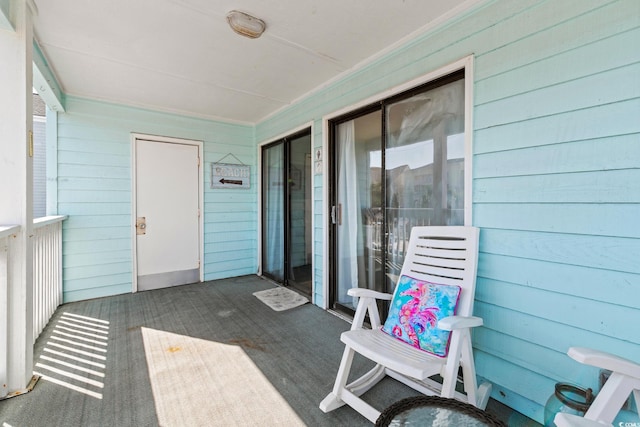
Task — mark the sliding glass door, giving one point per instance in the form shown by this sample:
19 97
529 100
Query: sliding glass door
357 211
397 164
286 211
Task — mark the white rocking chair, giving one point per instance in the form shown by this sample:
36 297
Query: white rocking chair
442 255
624 380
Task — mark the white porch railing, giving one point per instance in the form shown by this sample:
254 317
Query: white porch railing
47 280
47 270
6 236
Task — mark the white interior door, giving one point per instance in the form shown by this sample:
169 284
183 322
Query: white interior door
167 207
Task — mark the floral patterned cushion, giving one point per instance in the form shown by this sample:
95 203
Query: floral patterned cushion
415 310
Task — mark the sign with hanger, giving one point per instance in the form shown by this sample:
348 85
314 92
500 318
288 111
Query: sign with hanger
227 175
230 175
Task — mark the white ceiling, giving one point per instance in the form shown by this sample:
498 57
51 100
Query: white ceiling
180 56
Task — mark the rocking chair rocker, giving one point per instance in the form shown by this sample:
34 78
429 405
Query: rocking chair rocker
439 260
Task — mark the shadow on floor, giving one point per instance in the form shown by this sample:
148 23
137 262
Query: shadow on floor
199 354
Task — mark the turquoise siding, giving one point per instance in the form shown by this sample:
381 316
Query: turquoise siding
556 173
5 22
557 156
556 179
319 298
94 189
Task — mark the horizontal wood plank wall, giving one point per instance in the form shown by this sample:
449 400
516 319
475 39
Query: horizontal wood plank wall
556 179
94 189
557 162
319 298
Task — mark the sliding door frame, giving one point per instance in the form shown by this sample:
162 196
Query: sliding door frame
298 131
378 102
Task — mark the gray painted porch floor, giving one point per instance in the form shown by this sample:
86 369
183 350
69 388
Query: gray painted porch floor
297 351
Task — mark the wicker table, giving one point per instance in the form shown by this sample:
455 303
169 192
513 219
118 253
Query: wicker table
435 411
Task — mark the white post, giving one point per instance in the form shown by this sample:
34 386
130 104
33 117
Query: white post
52 162
16 182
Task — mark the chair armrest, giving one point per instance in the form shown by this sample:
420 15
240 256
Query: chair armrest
367 303
604 360
368 293
570 420
451 323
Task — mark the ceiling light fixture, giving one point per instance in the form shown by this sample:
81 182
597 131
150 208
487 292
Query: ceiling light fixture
245 24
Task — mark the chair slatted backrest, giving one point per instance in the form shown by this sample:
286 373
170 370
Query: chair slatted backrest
446 255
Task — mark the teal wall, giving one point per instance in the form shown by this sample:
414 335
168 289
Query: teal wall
555 184
94 189
5 15
556 188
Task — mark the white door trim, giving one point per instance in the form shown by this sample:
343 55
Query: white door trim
155 138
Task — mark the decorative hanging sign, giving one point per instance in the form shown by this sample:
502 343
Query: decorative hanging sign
230 175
